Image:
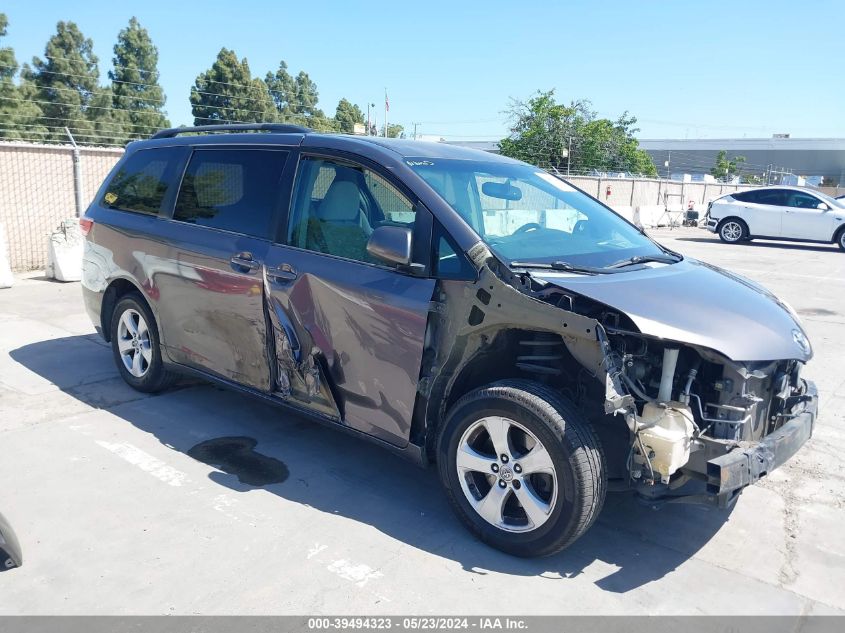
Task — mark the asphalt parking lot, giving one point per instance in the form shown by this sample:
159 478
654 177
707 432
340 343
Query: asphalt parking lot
116 517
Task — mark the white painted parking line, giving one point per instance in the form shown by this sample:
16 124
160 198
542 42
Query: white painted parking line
146 462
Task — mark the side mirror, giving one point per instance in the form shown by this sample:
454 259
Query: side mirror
391 244
822 206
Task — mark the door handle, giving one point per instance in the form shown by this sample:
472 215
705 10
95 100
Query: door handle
244 263
283 272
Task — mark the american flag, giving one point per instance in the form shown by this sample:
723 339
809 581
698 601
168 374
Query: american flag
386 102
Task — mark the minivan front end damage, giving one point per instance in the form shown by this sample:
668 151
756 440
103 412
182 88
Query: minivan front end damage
678 421
694 415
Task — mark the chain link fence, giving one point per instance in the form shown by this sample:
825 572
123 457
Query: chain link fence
37 193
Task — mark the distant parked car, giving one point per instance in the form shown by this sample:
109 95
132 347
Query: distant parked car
780 213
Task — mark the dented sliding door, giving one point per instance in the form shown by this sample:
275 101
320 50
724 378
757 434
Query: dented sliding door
348 338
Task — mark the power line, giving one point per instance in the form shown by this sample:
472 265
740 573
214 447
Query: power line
52 141
66 74
112 108
79 60
163 100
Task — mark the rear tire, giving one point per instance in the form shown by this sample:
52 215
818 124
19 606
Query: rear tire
733 230
522 468
136 347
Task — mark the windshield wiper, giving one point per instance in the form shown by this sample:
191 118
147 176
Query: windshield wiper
564 266
641 259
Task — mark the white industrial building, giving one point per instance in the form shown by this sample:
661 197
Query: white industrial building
784 158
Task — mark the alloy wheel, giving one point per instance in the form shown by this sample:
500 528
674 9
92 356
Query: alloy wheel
133 343
506 474
731 231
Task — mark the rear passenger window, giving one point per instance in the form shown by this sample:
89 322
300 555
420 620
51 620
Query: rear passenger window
231 189
774 197
142 181
744 196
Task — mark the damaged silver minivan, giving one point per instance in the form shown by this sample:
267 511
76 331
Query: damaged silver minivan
454 306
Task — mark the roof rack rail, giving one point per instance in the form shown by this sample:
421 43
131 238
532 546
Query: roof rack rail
234 127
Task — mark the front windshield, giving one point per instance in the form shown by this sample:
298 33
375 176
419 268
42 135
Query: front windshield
527 215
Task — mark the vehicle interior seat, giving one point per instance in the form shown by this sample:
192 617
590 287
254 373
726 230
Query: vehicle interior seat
339 226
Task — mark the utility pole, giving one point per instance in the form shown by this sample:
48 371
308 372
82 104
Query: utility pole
415 131
568 156
368 118
386 109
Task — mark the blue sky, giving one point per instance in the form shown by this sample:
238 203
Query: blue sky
685 69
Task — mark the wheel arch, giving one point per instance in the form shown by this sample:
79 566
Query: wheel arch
502 356
728 218
118 288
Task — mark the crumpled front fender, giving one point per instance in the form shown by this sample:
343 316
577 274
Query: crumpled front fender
10 547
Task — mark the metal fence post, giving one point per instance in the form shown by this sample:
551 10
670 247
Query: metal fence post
77 175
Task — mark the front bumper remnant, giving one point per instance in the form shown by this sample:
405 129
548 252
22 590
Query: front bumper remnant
744 465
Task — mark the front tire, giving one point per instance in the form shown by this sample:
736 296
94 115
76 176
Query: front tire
522 468
135 346
840 239
733 230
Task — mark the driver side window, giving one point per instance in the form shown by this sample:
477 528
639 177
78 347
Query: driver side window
337 205
802 200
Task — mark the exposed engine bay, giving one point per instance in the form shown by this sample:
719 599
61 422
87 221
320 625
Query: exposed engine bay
683 404
682 401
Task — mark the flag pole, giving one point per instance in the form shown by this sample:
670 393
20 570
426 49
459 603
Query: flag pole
386 108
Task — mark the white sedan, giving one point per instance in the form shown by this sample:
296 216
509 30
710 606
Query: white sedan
779 213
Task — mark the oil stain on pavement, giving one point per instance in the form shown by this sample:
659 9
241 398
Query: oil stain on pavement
237 456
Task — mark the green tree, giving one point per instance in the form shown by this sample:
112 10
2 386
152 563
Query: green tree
135 84
393 131
112 126
753 179
296 98
228 93
65 83
347 115
725 169
550 134
304 105
282 88
543 131
19 114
